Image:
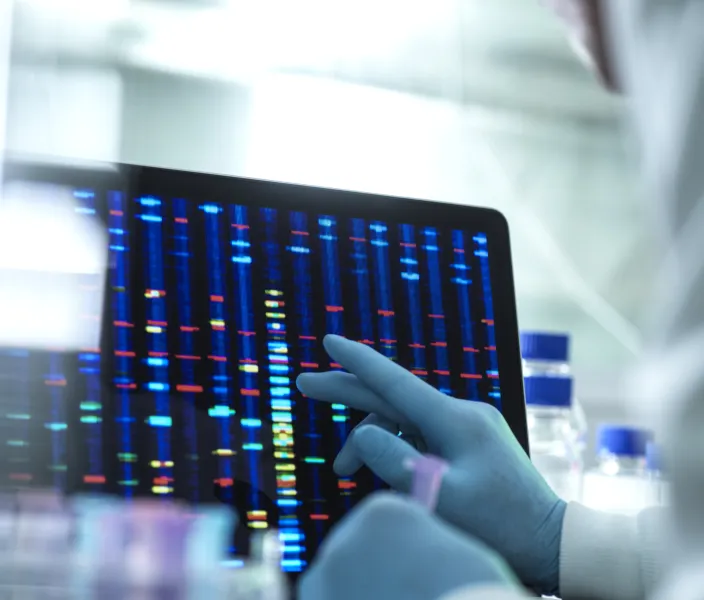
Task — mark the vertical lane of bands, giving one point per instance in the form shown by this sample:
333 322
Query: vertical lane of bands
281 395
151 214
124 382
219 385
462 279
184 357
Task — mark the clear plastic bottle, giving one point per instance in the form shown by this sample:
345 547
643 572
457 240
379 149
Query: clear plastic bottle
654 466
620 483
556 424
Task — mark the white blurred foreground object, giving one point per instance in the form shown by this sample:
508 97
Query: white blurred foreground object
52 269
556 424
107 548
621 482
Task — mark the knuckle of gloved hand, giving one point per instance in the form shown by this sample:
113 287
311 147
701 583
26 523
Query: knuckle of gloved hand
486 414
384 509
334 381
382 524
338 560
374 455
392 382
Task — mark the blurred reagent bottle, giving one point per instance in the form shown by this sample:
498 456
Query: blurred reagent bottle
556 423
621 482
653 463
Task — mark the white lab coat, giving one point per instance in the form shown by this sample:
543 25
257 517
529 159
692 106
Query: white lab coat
659 45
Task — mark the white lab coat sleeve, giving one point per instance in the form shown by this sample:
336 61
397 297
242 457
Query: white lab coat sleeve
602 557
492 592
610 557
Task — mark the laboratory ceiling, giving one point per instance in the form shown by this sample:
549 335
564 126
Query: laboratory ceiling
505 53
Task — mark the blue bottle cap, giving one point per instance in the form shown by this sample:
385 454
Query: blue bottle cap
544 390
623 441
545 346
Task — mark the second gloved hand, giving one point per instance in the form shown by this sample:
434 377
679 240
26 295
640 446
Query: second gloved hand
390 548
491 490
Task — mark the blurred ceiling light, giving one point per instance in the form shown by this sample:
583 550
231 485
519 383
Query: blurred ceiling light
100 10
209 42
57 32
363 29
244 39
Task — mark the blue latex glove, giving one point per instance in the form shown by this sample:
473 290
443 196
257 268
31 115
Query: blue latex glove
390 548
491 490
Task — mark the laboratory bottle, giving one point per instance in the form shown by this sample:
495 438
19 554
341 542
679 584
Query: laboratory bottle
556 430
620 483
654 466
548 354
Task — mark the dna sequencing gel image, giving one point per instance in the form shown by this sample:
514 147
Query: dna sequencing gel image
211 312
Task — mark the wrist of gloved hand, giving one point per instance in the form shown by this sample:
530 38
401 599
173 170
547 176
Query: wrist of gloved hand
549 539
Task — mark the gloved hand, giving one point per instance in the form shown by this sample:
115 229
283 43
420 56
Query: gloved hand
491 489
391 548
